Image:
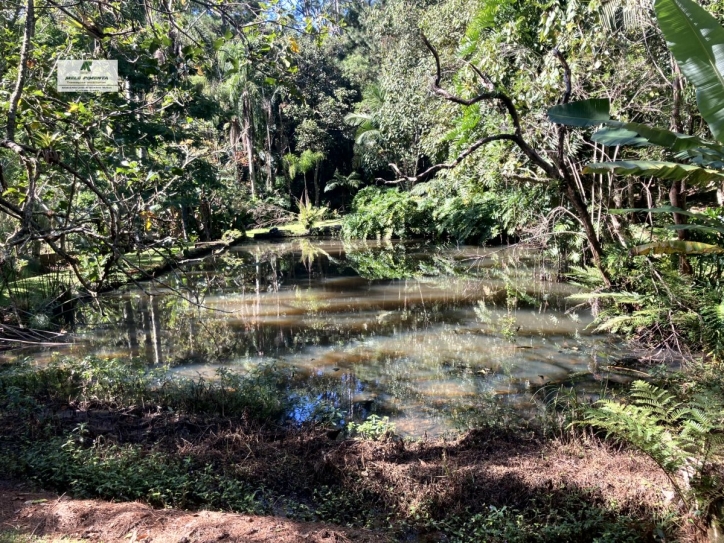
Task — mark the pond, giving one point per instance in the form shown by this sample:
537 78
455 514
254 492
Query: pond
420 333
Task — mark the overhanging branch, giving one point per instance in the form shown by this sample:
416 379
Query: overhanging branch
450 165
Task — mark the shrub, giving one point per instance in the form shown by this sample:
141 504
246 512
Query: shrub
384 213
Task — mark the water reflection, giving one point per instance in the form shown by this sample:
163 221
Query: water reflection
416 332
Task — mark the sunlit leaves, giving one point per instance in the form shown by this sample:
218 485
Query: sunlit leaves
660 169
676 247
696 39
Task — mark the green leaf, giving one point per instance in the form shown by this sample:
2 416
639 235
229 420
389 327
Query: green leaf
663 138
663 170
613 137
662 209
582 113
698 227
676 247
696 39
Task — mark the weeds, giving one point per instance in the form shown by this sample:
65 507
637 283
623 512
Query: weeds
373 428
581 522
119 383
93 469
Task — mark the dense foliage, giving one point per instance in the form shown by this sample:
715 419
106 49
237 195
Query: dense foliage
594 130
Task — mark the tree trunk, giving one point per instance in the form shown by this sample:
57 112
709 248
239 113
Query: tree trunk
678 199
595 245
316 184
248 137
22 68
676 192
269 169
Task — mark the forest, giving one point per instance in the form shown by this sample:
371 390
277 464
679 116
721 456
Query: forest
371 270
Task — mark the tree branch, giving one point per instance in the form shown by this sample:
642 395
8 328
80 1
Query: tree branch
492 95
22 68
449 166
550 170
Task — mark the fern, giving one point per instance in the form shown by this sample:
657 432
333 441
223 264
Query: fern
681 437
712 316
629 324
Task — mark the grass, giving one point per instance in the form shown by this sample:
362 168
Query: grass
37 285
114 430
17 537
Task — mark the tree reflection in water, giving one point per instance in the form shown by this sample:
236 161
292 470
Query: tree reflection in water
419 332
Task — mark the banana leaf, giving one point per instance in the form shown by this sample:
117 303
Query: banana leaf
696 39
662 209
614 137
582 113
653 135
697 227
676 247
663 170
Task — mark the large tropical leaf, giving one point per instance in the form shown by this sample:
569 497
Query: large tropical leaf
662 209
676 247
653 135
697 227
614 137
705 224
358 119
663 170
582 113
696 39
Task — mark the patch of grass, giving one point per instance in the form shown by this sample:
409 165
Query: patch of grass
17 537
117 383
87 468
573 522
150 259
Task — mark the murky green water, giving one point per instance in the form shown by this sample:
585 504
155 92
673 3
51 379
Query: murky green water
415 332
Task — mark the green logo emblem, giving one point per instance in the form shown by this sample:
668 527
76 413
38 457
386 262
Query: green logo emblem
87 65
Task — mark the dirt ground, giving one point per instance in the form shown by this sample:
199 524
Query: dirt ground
473 469
53 516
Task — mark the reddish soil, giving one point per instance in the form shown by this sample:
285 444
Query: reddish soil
444 476
93 520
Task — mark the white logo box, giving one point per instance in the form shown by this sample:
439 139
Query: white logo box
87 75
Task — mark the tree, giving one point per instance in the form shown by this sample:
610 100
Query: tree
696 39
94 177
558 171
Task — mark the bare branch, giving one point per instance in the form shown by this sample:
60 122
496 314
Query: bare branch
449 166
492 95
566 75
550 170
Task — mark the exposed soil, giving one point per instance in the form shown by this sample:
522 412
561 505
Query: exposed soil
49 515
391 478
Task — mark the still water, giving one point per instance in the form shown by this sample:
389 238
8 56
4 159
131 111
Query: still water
420 333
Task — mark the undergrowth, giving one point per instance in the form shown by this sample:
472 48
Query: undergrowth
121 383
656 305
232 465
87 468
